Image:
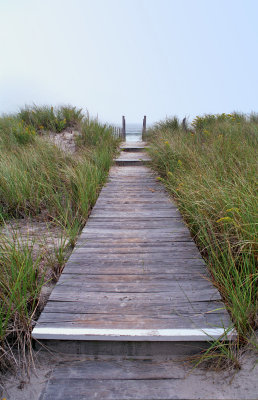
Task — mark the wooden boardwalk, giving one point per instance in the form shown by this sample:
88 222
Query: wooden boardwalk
142 379
135 273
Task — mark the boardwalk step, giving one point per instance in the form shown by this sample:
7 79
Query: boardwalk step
125 162
132 154
134 147
144 378
131 158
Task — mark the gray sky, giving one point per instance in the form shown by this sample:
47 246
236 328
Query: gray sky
131 57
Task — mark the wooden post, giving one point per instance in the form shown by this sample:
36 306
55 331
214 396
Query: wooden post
184 124
123 127
144 125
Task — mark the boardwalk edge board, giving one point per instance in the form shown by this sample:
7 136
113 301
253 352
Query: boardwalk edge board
204 334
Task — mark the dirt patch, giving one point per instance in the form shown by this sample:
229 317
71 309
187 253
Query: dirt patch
40 235
65 140
47 241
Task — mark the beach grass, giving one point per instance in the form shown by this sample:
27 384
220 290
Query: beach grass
40 180
209 168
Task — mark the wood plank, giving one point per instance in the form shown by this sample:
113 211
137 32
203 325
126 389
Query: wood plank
134 257
158 307
132 208
118 321
121 369
136 223
125 278
174 265
130 287
88 267
135 214
139 298
135 246
117 237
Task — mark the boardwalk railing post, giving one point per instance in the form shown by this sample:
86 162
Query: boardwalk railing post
123 127
144 125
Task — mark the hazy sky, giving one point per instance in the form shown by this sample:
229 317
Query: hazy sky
131 57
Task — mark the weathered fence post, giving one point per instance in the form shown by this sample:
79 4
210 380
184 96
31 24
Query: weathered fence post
123 126
184 124
144 125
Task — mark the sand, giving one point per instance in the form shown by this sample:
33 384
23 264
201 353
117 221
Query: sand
199 383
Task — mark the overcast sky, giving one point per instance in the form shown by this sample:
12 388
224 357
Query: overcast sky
130 57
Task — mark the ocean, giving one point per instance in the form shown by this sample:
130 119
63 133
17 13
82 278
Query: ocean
133 132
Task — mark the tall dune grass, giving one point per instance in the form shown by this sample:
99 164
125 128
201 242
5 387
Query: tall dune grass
39 179
210 169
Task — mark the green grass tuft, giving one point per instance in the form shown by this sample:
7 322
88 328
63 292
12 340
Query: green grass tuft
50 118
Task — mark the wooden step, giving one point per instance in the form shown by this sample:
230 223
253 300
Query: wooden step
140 379
132 158
122 162
133 147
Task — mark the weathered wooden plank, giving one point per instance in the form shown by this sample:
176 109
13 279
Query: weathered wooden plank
121 369
174 265
125 278
172 319
117 237
134 200
139 189
118 321
134 257
136 223
131 180
133 192
152 187
143 253
128 158
131 287
129 155
133 208
142 231
129 170
158 307
135 213
122 202
135 184
135 246
148 194
92 267
141 298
